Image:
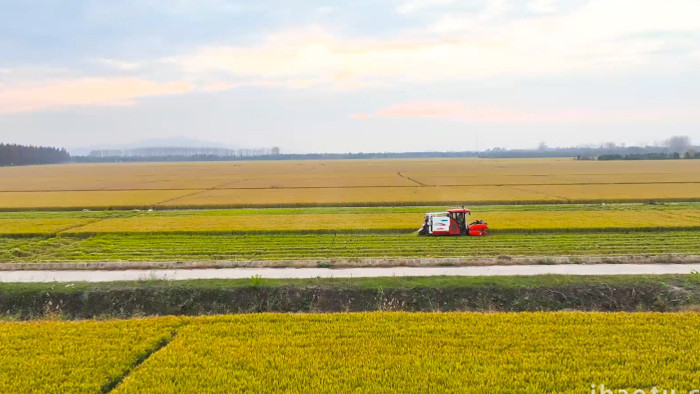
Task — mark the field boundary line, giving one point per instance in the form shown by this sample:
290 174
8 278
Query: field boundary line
419 183
565 200
412 180
116 381
199 191
368 231
354 204
330 264
179 197
69 228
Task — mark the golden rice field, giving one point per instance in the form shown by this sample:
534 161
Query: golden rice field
548 220
39 226
404 219
67 357
563 352
345 182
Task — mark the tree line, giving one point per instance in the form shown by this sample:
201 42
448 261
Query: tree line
17 155
689 154
13 154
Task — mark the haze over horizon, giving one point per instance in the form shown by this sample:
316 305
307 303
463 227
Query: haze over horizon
370 76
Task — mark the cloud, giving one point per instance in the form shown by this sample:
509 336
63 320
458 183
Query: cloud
118 64
543 6
502 38
87 91
414 6
459 111
602 37
465 112
219 86
323 59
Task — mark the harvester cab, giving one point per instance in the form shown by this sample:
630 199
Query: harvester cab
452 222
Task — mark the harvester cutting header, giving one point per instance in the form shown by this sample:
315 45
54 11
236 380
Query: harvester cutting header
452 222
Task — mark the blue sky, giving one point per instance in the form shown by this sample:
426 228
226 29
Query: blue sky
312 76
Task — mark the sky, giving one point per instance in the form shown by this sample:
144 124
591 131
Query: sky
350 76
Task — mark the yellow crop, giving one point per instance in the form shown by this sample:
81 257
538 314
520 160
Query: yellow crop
564 352
258 222
505 220
358 196
38 226
359 182
74 357
87 199
553 219
404 352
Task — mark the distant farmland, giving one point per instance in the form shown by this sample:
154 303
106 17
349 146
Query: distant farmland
345 182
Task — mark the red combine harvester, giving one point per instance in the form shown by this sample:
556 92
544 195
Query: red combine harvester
452 222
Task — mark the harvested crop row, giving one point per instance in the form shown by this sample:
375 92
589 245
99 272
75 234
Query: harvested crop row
286 246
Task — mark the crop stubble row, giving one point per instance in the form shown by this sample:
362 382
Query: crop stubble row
162 247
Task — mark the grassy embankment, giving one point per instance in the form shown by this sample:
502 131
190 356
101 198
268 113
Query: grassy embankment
197 297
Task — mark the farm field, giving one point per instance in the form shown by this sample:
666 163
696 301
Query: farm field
369 352
345 233
66 357
508 218
304 231
294 246
345 182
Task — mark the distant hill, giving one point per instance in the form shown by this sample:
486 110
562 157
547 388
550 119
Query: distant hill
179 141
175 142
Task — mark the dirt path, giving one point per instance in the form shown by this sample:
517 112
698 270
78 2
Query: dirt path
298 273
